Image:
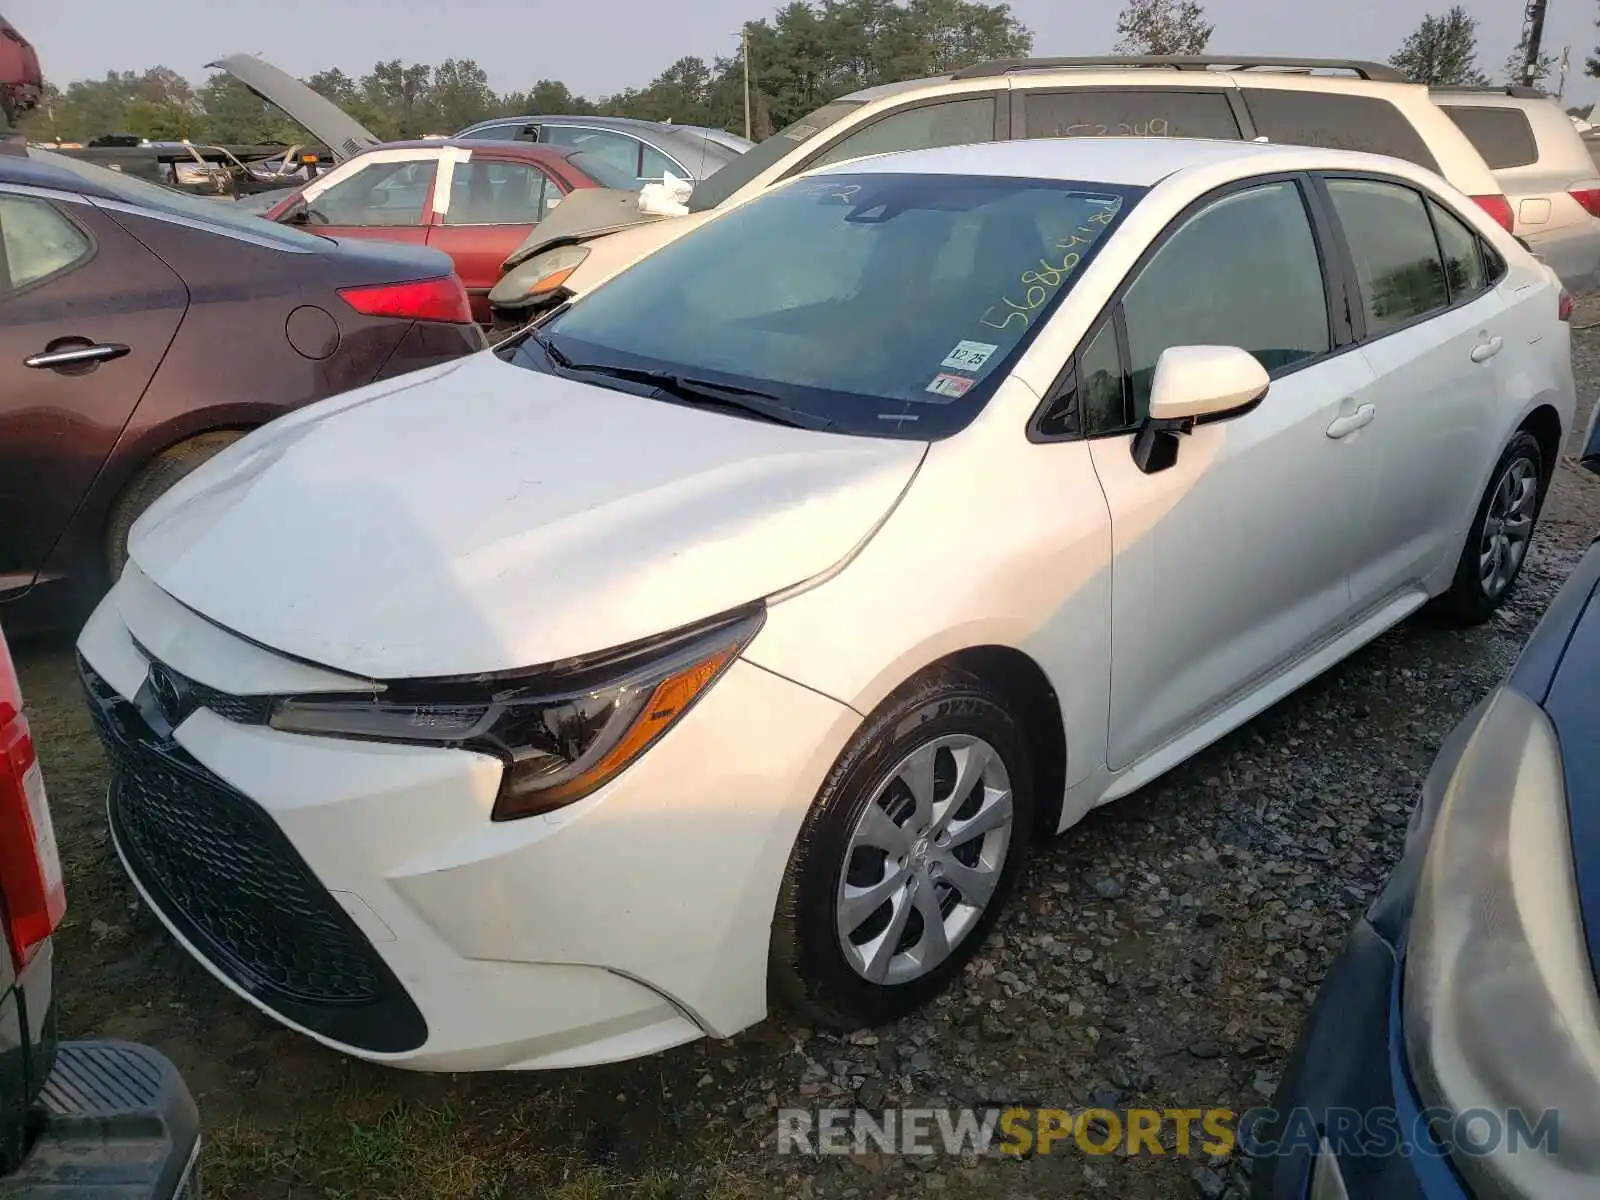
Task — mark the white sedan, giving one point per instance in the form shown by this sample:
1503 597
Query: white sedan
729 638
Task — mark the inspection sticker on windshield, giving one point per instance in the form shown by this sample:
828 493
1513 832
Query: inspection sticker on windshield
952 386
969 356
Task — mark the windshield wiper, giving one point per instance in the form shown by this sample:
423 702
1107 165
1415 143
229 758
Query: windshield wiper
703 392
542 340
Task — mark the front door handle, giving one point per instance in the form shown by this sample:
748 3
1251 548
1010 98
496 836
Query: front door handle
75 356
1484 351
1346 425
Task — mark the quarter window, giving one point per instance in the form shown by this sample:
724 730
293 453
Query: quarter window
1245 272
1396 258
1336 122
951 123
656 164
498 193
1129 112
37 240
1502 135
1463 261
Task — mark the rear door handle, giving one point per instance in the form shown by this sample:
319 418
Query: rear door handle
75 356
1484 351
1346 425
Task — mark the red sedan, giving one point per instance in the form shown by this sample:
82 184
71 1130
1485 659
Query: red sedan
477 201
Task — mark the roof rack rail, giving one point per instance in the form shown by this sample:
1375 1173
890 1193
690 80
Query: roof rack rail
1520 91
1184 62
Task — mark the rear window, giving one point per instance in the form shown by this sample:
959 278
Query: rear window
1336 122
1129 112
1502 135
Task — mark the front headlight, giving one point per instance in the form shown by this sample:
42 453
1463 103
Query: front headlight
1501 1009
562 732
539 278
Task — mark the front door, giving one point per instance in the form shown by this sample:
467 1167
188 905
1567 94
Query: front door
86 314
1234 560
492 205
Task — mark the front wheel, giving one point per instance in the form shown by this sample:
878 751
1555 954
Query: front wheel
154 479
1502 530
907 857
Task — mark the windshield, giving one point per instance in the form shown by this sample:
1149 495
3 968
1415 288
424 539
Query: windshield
709 193
153 195
882 304
606 174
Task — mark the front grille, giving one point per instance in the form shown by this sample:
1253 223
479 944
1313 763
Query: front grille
244 710
219 868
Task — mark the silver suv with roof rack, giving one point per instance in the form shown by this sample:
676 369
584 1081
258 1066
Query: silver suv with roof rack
1336 103
1545 167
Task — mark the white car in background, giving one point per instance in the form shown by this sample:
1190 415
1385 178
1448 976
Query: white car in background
729 637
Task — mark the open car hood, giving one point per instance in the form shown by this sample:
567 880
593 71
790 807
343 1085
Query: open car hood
326 121
581 215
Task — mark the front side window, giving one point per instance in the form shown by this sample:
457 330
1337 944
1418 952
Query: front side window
498 193
1128 112
1336 121
948 123
37 241
886 304
1244 271
383 194
1463 260
1396 258
709 193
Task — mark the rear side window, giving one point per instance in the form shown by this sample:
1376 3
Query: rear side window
484 192
1336 122
950 123
36 241
1396 257
1244 272
1128 112
1463 261
1502 135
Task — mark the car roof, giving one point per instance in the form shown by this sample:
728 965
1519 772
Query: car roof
1133 162
574 118
31 172
529 150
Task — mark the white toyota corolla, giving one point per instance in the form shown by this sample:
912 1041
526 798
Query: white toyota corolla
729 637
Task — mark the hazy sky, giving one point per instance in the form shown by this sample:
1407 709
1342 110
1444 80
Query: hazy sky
600 46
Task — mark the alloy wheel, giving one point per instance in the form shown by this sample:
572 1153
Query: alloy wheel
924 859
1507 526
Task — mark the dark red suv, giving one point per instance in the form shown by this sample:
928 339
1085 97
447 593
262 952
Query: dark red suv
93 1118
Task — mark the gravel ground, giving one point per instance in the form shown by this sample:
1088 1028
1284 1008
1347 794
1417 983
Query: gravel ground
1162 954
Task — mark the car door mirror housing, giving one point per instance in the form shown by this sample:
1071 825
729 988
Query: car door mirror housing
1195 384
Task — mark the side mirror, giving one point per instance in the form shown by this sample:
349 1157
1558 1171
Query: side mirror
295 214
1195 384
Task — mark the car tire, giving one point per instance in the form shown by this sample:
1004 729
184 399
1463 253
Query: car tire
153 479
1501 533
831 959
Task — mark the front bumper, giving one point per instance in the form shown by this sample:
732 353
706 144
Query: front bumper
115 1120
359 892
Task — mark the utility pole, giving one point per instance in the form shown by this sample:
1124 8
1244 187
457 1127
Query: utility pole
1532 36
1561 79
744 46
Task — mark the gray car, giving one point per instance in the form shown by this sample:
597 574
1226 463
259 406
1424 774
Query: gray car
642 149
1544 166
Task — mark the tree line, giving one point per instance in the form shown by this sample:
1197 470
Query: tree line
807 53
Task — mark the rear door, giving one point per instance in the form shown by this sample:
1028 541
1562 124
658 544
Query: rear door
489 208
86 315
1432 326
387 195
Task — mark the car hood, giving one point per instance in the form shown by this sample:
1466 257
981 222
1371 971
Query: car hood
584 214
489 518
326 121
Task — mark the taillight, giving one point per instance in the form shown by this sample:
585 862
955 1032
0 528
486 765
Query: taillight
32 896
1589 198
1498 207
1564 305
442 299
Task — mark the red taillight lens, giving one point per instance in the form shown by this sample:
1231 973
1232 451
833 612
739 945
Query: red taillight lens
1499 208
1564 305
1589 198
425 300
32 896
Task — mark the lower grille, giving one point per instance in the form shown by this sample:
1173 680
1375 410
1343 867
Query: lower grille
219 868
